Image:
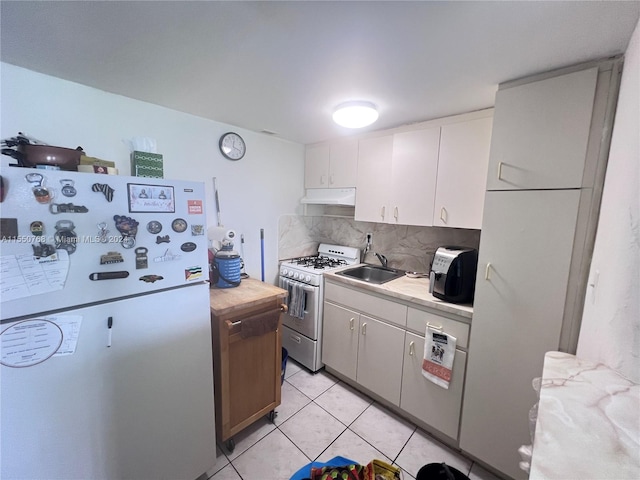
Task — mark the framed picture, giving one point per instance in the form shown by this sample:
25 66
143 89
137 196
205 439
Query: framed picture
150 198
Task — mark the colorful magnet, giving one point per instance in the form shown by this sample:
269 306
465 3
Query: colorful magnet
106 190
151 278
56 208
179 225
188 247
154 227
197 230
40 192
68 190
142 261
103 232
37 228
128 227
111 257
65 237
162 239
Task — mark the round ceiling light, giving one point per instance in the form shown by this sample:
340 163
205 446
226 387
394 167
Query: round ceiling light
355 114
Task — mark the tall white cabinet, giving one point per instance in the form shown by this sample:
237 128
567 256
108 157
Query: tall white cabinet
548 155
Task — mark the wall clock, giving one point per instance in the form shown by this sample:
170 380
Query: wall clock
232 146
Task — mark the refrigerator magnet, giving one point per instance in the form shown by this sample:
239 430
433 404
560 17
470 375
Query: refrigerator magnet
142 260
108 275
65 237
68 190
154 227
40 192
151 278
179 225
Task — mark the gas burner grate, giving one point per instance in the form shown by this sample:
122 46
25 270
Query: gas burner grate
318 262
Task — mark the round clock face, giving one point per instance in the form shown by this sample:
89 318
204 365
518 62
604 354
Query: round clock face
232 146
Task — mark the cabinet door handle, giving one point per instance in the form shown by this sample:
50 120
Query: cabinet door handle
435 327
321 179
382 212
487 272
443 214
395 213
364 328
500 170
331 179
351 323
411 348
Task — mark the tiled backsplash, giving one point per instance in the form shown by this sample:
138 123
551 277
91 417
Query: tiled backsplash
406 247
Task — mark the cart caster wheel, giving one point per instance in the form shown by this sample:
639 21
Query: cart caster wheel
231 445
272 416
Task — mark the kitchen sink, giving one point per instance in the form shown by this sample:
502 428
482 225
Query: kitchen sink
372 274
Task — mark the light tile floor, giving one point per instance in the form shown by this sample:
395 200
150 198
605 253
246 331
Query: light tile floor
321 417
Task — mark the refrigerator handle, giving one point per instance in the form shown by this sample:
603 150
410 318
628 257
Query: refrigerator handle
109 325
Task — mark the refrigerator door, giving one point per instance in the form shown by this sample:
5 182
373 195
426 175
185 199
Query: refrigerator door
96 225
141 408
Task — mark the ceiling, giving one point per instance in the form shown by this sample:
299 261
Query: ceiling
282 67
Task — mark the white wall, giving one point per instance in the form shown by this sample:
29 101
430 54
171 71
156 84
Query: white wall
254 192
610 331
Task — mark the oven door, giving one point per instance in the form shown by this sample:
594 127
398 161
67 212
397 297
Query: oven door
308 325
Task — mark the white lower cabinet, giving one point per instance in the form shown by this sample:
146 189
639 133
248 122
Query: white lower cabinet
364 349
380 358
340 339
383 357
434 405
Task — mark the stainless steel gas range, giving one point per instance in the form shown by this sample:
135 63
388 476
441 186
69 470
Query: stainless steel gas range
302 278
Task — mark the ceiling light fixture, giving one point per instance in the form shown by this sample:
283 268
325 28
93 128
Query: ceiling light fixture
357 114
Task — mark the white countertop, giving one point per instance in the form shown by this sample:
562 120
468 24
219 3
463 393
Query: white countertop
414 290
588 422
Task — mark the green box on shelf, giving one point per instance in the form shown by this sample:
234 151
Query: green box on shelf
145 164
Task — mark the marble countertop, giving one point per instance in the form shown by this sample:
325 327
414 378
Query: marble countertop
588 422
414 290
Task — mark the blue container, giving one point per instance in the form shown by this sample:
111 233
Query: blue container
229 265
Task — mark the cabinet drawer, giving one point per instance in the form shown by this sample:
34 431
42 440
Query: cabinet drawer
417 321
367 303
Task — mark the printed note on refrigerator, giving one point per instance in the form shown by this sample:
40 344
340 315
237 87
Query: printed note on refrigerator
25 275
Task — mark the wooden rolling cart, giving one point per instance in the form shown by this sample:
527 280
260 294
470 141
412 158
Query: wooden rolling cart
247 354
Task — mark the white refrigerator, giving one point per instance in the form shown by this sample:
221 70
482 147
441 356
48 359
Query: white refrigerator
105 334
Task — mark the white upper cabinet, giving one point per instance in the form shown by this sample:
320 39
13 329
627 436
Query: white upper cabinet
462 173
331 165
397 177
540 133
413 177
374 176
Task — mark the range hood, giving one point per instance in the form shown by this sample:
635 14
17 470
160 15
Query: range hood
330 196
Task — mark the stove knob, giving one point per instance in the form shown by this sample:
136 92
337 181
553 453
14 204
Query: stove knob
291 273
295 275
284 272
308 278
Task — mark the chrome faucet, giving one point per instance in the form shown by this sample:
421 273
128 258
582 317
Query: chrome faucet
382 258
